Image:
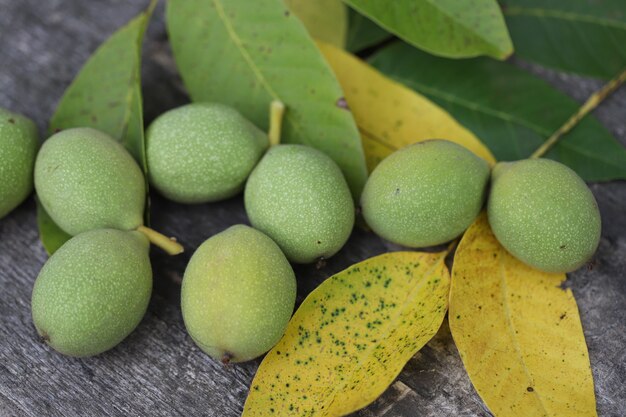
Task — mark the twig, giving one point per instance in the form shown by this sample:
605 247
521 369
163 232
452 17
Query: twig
592 102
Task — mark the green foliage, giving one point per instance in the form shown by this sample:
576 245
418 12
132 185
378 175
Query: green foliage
326 20
51 235
106 95
363 33
239 289
575 35
449 28
246 54
510 110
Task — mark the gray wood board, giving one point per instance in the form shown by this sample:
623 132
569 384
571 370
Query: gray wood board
158 370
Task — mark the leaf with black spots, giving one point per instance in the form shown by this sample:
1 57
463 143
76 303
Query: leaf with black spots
352 336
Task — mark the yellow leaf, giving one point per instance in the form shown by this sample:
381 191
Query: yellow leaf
391 116
326 20
518 332
352 336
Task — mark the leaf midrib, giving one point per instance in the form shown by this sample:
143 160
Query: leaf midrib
135 78
512 332
236 40
474 106
134 91
377 139
479 35
562 15
505 117
496 50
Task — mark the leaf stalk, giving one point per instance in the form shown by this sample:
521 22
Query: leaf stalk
592 102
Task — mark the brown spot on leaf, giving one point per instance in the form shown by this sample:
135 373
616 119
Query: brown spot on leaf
342 103
12 121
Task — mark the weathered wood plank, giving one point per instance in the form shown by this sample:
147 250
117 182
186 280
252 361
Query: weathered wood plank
158 370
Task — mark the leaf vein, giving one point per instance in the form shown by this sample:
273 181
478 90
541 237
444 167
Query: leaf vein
241 48
473 106
511 328
373 137
460 22
563 15
248 59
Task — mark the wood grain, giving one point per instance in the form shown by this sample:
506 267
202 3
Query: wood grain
158 371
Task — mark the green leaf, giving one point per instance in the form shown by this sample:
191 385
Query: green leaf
246 54
577 36
51 235
510 110
326 20
363 33
450 28
105 95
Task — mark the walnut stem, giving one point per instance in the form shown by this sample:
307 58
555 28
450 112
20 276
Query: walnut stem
168 244
277 110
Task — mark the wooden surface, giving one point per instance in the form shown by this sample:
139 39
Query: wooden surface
158 371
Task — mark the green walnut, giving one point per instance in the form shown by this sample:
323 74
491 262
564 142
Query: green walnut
299 197
18 148
544 214
238 294
202 152
93 291
86 180
425 194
